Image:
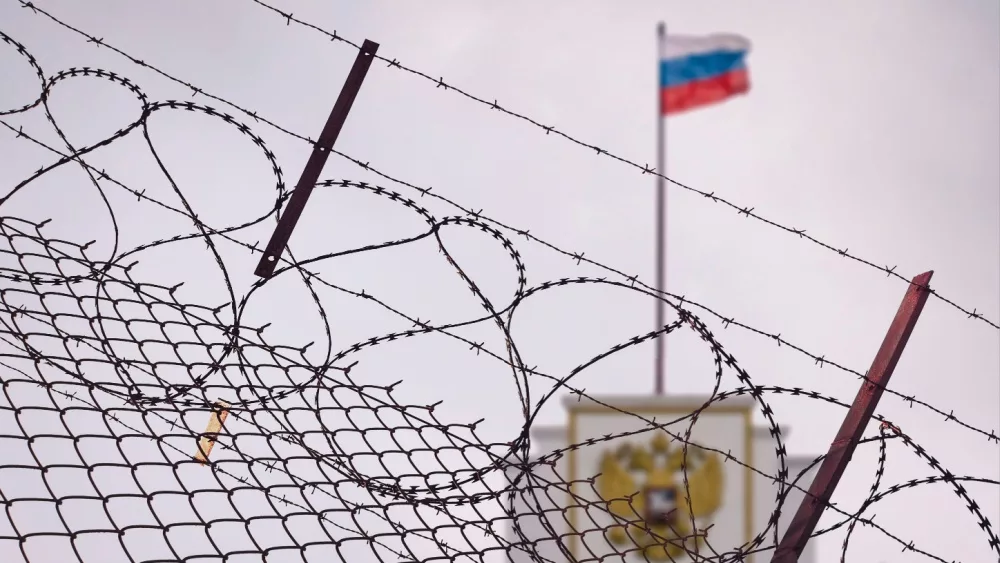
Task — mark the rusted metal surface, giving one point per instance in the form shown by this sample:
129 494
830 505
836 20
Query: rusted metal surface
314 166
842 449
211 434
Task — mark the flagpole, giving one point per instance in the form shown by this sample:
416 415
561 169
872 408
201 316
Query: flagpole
661 220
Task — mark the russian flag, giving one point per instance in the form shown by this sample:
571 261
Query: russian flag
698 71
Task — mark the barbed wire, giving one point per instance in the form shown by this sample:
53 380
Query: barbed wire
85 343
744 210
579 257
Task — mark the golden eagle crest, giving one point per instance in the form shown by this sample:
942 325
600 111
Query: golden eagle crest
655 514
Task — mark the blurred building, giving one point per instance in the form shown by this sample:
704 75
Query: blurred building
731 500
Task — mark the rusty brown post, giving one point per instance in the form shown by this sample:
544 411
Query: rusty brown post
804 522
314 166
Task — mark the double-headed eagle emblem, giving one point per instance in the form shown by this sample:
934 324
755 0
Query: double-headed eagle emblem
656 515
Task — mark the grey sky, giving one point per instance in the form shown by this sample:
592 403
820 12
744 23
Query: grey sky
873 125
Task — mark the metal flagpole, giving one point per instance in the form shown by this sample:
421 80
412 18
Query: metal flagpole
661 220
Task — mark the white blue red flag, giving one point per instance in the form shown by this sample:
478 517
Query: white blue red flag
698 71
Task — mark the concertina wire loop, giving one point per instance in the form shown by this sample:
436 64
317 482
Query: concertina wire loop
777 338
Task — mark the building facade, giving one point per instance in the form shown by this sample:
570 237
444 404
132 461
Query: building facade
729 499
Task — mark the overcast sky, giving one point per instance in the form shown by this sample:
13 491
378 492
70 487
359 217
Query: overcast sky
875 126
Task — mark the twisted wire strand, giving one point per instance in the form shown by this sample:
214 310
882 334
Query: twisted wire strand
86 325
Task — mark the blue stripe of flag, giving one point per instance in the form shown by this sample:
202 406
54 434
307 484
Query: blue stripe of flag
674 72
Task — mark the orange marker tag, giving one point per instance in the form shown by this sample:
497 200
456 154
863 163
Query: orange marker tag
211 435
